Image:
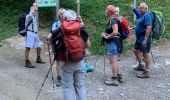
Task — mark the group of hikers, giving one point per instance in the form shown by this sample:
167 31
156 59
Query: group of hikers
69 38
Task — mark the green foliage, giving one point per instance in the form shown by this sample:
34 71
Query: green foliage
92 12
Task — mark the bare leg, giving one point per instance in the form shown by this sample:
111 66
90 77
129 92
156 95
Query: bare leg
58 67
38 52
146 60
114 65
27 51
137 54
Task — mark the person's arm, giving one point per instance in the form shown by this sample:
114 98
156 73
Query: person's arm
148 23
85 37
114 33
28 18
114 23
136 12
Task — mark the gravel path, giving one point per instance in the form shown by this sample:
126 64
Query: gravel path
20 83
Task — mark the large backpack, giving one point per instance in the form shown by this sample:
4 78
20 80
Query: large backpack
73 41
125 28
21 24
158 26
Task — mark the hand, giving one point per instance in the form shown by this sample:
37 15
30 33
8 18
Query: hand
103 35
34 4
88 44
133 27
132 5
144 43
48 41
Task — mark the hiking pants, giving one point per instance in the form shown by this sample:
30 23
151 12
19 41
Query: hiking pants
73 81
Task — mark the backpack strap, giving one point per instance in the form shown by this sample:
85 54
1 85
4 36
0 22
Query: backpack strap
29 23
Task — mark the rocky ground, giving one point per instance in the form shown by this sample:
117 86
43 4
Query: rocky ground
20 83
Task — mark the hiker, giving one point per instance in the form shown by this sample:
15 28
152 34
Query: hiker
56 24
73 72
110 35
143 40
31 38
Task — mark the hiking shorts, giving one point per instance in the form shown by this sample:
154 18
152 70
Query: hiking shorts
138 46
32 40
112 48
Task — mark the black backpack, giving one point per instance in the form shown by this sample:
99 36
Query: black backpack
21 24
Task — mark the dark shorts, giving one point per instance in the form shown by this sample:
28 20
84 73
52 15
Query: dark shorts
142 49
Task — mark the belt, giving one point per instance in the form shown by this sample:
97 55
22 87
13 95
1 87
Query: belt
32 31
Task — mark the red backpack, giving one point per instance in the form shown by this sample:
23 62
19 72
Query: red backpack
125 28
73 41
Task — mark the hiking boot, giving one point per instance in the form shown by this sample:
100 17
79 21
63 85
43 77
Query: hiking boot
144 74
140 67
112 82
58 82
119 78
28 64
39 60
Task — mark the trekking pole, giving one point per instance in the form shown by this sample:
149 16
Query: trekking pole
104 68
152 57
45 79
98 51
49 54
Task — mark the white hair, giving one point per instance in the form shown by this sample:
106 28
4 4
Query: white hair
117 10
143 4
70 15
60 11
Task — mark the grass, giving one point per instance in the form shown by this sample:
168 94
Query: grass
92 12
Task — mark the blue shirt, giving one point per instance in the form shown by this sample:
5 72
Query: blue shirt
56 24
143 22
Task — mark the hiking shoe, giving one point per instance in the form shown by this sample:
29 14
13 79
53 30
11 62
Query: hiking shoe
144 74
119 78
112 82
28 64
58 82
39 60
140 67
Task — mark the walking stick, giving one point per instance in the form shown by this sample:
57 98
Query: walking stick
45 79
152 57
98 51
104 68
49 54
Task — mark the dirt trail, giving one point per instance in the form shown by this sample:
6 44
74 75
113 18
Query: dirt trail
20 83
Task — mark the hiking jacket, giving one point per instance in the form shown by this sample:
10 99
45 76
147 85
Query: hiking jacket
33 27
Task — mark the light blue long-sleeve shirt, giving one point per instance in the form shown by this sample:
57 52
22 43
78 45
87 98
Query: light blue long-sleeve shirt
33 26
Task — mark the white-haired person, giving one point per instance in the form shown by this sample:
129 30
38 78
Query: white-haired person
111 36
73 74
143 40
31 38
55 42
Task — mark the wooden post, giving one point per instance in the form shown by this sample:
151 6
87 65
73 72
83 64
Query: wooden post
78 7
78 12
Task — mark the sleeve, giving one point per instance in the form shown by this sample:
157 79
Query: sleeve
57 33
84 34
147 19
114 21
56 24
136 12
28 18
